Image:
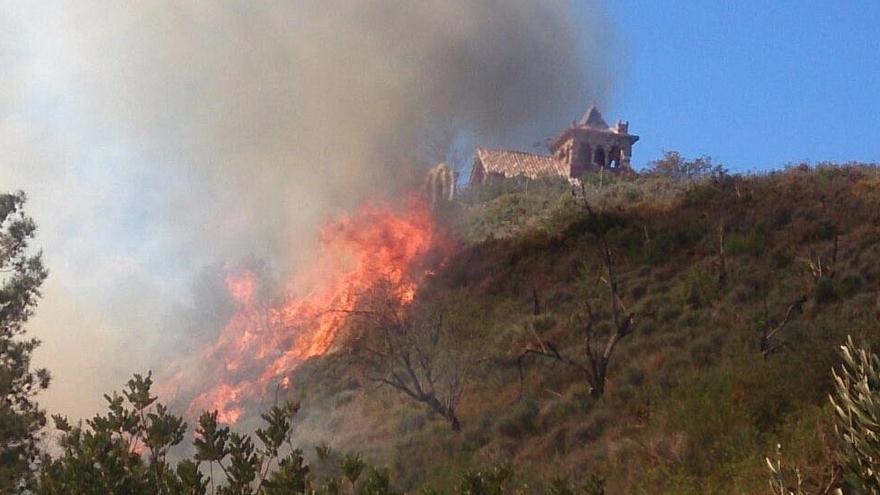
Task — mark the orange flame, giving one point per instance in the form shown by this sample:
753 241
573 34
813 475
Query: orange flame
263 342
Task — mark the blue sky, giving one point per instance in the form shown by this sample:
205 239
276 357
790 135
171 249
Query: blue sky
755 85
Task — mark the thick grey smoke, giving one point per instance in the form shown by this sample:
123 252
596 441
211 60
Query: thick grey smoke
158 138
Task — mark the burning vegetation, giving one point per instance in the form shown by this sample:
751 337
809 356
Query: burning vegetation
266 339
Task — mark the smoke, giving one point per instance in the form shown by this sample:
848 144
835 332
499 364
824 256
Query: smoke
159 138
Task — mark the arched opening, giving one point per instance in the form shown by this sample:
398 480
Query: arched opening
599 157
614 157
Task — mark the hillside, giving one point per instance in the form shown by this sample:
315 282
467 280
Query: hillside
692 403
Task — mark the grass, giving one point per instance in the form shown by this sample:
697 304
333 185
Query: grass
691 406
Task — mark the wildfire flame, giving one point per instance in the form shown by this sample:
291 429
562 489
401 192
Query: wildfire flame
263 342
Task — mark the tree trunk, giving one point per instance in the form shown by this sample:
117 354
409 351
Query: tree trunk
597 380
597 389
445 412
454 422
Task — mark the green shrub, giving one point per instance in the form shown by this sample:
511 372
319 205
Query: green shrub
558 410
633 375
593 426
519 419
850 285
696 288
669 313
543 323
825 291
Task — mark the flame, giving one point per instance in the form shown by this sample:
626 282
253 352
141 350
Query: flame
262 342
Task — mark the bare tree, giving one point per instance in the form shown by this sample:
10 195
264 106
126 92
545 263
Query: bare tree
721 261
821 270
597 351
822 267
426 354
770 339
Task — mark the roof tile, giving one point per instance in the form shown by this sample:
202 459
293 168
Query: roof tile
518 163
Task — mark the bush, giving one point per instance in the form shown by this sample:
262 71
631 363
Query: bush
543 323
825 292
696 288
593 427
126 451
850 285
750 243
519 420
674 166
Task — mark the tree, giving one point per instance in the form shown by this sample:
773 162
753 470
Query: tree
676 167
125 451
770 340
21 275
593 366
426 354
107 456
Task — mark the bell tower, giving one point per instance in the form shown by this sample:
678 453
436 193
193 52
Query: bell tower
591 145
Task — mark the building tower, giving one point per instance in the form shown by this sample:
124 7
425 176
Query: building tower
591 145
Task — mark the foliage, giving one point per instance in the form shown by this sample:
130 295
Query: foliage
352 466
21 275
126 451
105 456
856 402
676 167
695 288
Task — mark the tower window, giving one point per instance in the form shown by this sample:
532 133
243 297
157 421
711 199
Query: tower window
599 157
614 157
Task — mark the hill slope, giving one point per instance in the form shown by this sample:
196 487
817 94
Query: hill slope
692 403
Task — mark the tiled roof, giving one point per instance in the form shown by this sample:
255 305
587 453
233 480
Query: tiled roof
518 163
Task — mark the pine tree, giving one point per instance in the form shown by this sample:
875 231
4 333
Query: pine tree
21 274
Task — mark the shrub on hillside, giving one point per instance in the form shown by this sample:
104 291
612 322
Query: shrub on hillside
752 243
696 288
519 419
825 291
674 166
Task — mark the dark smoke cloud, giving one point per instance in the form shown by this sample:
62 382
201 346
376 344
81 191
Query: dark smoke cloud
183 134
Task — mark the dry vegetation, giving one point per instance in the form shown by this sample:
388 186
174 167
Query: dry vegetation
681 329
744 286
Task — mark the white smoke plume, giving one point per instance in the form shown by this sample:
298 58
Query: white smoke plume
159 139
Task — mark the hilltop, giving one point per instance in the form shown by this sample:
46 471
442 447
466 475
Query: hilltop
742 287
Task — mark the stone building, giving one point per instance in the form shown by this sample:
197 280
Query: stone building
589 145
